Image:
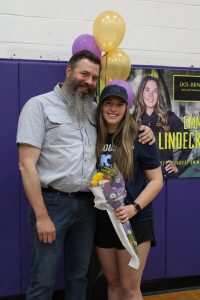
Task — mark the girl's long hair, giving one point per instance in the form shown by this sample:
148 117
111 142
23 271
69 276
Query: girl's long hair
122 141
160 107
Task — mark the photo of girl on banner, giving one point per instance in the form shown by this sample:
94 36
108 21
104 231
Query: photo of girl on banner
177 140
151 110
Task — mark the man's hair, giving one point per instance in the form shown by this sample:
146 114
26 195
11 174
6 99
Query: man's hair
84 54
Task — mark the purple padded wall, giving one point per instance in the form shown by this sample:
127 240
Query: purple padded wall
183 227
35 78
155 267
177 219
10 282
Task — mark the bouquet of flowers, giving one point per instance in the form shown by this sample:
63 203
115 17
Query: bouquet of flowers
108 187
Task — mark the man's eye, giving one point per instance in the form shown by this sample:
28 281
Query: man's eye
83 73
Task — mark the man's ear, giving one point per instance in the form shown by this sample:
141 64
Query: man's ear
68 70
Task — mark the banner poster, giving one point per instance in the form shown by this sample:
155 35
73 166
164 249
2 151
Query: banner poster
172 109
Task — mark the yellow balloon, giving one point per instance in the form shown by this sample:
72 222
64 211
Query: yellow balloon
109 29
116 65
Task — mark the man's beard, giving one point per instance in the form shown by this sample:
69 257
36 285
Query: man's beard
80 104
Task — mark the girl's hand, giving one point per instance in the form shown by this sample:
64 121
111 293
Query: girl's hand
125 212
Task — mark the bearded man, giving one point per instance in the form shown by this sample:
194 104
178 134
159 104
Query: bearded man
56 140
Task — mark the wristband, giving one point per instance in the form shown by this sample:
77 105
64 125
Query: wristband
137 206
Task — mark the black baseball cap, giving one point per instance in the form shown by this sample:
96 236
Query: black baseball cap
114 90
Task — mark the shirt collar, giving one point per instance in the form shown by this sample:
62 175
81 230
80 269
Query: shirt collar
59 92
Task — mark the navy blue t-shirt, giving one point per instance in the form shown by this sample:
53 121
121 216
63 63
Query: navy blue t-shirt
146 157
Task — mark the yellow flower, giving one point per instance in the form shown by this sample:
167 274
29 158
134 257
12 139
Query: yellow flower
107 173
96 178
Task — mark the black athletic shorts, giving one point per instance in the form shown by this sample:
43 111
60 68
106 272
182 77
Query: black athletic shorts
106 237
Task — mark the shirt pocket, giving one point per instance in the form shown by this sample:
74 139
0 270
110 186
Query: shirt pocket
56 120
59 129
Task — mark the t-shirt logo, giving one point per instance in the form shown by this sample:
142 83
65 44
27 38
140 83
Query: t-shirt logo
106 160
106 157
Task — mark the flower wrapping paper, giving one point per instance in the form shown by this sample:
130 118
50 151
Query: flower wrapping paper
109 196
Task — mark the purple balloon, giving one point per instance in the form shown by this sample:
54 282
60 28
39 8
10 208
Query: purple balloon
128 88
86 42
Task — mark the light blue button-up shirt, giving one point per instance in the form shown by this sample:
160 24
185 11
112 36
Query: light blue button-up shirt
67 159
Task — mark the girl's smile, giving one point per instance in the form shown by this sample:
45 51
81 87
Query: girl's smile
113 112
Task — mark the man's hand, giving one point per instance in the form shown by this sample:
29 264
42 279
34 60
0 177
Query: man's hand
171 167
46 229
147 135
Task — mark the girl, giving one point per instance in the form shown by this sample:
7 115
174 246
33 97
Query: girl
117 143
151 110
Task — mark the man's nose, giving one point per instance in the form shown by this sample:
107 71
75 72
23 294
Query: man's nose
89 80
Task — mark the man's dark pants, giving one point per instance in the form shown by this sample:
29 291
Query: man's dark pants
74 218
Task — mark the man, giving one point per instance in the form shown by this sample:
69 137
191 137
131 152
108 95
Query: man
56 139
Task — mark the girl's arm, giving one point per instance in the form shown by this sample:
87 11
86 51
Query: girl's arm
155 183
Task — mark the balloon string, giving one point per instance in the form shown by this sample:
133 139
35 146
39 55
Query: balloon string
106 69
98 88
